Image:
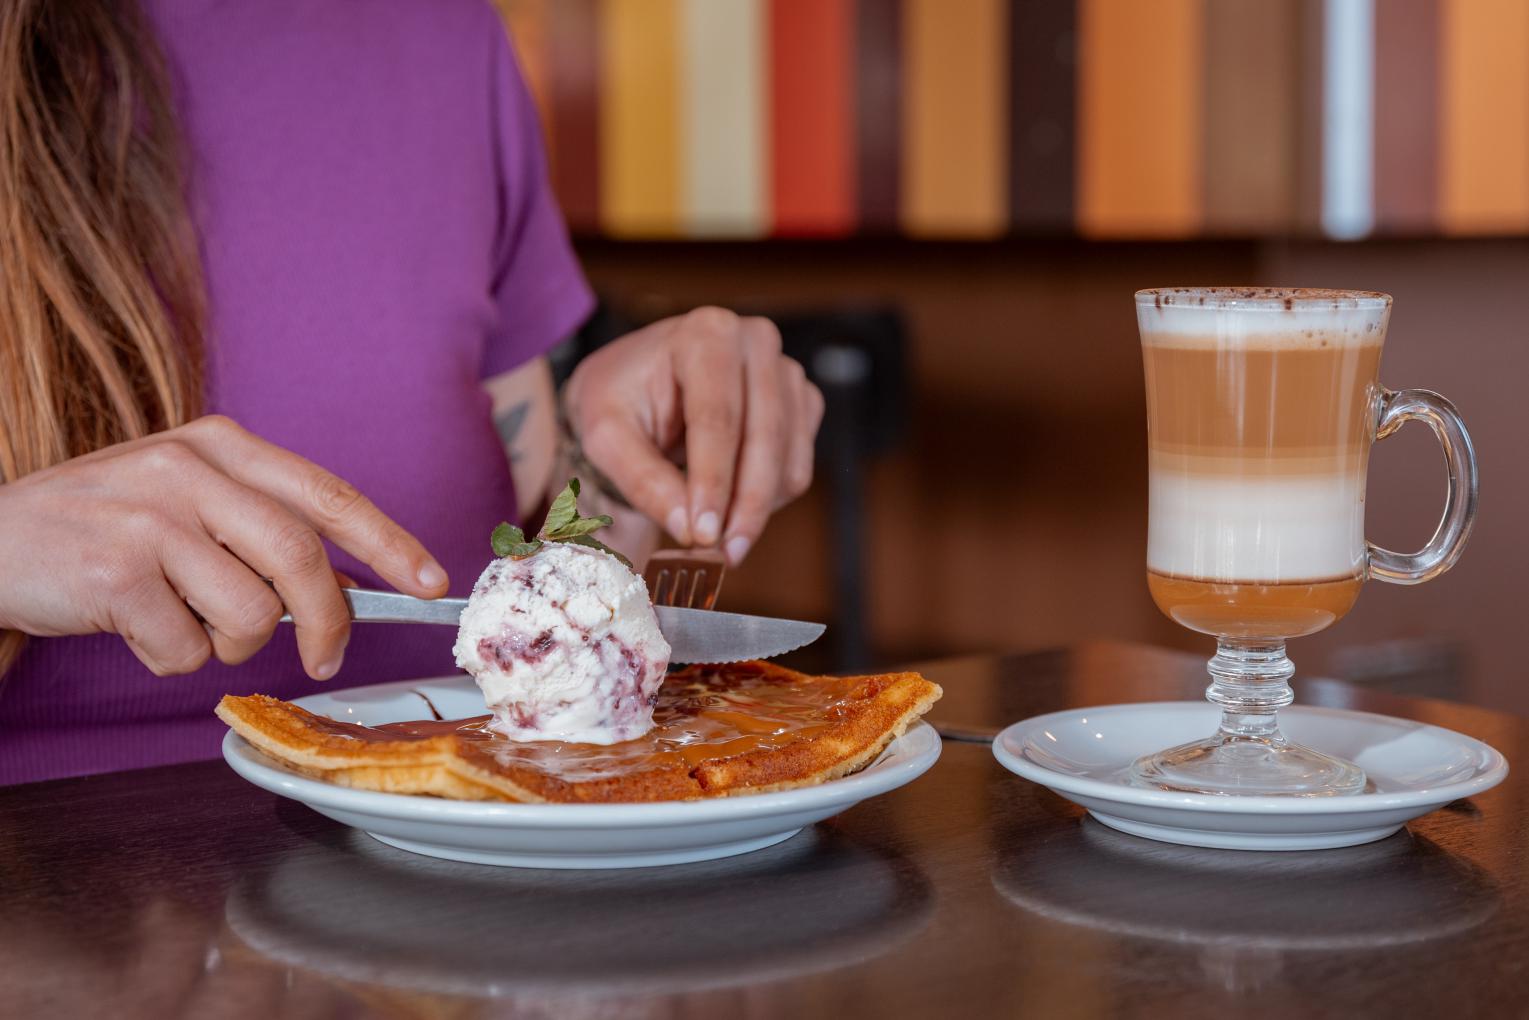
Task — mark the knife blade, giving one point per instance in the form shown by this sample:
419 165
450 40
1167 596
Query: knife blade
694 635
705 635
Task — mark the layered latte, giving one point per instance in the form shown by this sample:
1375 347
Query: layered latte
1261 412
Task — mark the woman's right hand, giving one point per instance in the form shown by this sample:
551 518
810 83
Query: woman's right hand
131 539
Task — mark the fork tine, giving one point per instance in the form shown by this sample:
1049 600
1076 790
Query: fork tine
704 595
716 569
689 578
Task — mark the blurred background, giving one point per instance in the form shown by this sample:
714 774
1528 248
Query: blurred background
947 205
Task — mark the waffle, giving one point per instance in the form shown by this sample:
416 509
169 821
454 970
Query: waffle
719 731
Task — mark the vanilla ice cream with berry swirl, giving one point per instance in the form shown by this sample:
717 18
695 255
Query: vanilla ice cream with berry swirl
564 645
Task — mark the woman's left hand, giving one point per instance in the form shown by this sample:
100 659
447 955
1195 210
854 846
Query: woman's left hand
710 390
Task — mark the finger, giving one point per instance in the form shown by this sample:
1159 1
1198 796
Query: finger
159 627
800 448
330 505
767 407
710 377
278 544
239 610
647 480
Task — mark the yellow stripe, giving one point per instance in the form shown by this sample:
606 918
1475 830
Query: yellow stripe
1139 117
1484 116
639 122
955 149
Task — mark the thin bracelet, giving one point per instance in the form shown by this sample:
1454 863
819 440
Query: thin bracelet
581 467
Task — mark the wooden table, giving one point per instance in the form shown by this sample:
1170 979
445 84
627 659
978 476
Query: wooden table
183 891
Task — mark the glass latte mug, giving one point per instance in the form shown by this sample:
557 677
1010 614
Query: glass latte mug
1262 405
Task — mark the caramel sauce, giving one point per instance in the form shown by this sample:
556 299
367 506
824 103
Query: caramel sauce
700 715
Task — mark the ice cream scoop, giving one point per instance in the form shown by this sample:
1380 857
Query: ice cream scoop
565 645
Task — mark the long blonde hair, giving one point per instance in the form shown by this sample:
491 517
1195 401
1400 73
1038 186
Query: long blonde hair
101 300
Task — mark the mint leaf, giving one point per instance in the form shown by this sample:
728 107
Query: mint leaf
504 536
595 543
579 526
563 525
564 510
508 540
563 520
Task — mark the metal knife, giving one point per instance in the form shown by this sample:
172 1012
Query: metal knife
694 635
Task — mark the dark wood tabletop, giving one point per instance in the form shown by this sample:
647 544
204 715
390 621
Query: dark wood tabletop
184 891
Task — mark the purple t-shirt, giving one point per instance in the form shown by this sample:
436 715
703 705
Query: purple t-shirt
379 237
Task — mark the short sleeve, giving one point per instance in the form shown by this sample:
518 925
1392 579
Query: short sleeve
540 291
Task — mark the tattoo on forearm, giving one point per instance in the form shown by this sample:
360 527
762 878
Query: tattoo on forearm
510 422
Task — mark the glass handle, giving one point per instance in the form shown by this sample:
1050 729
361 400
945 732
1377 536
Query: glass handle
1443 549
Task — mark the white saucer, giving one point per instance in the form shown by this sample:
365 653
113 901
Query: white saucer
1394 892
562 835
1414 768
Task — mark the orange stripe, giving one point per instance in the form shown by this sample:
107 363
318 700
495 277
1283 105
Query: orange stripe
1140 88
1484 116
526 21
639 118
812 126
527 24
955 152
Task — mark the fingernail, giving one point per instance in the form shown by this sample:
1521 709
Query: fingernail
737 549
327 669
677 522
707 527
432 576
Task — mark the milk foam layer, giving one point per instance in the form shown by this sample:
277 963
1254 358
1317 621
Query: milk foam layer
1282 529
1224 319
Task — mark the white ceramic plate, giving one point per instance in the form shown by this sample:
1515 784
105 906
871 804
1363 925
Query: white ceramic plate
1414 768
547 944
562 835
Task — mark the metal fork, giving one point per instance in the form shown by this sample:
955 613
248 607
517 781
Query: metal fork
690 578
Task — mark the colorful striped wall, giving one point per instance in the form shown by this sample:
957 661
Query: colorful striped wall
986 118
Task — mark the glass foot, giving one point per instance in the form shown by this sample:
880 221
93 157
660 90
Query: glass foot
1248 755
1248 766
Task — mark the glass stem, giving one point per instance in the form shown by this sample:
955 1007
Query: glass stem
1250 680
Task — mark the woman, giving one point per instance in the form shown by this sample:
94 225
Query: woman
270 271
